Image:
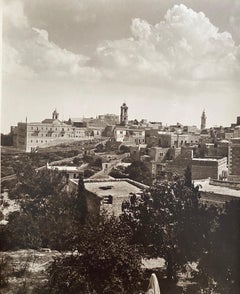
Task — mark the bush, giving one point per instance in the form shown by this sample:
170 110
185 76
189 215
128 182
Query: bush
105 262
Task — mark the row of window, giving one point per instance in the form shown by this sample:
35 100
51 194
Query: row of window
59 135
51 129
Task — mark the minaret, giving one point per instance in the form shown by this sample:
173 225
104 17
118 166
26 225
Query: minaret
124 115
203 120
55 114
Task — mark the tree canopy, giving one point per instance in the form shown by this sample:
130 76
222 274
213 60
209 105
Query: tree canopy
103 261
168 221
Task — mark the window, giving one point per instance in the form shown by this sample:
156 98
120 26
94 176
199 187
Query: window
108 199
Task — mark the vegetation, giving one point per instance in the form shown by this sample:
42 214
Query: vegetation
47 215
169 222
166 221
139 172
103 261
220 265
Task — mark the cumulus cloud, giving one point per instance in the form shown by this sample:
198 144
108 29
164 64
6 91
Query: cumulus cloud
27 51
184 46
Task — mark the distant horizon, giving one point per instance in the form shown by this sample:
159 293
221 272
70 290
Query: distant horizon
168 60
164 124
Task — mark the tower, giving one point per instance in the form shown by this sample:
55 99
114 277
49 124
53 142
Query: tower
203 120
55 114
124 115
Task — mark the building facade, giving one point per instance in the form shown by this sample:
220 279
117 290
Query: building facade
234 160
49 132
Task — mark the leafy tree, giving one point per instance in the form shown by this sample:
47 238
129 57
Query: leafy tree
169 222
47 213
138 171
124 149
221 262
102 261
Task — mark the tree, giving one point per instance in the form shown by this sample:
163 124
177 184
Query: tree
138 171
221 261
188 177
102 262
48 213
81 201
169 222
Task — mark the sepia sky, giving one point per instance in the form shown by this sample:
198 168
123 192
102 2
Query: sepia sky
168 60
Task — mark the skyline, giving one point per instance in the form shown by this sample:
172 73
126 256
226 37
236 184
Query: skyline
167 61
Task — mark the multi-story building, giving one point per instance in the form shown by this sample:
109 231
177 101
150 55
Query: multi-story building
31 135
234 160
214 168
129 135
170 139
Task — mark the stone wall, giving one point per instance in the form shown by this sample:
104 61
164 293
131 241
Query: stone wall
228 184
204 169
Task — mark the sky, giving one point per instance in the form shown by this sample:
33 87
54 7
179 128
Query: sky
167 60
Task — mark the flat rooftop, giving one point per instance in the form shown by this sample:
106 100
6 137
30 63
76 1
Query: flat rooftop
115 187
206 187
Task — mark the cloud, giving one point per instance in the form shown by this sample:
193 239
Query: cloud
182 47
185 46
28 52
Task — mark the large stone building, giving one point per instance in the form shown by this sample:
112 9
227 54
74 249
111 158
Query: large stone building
234 160
170 139
203 168
49 132
129 135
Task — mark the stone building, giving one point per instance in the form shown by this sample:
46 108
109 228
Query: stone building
108 194
49 132
203 120
124 115
170 139
234 160
214 192
128 135
203 168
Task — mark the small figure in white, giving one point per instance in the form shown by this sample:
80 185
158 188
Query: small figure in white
153 287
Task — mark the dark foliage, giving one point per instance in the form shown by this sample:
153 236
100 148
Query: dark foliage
103 261
47 214
221 262
139 172
169 222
